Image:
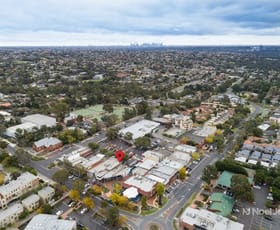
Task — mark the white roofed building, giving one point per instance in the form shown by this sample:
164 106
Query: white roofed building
31 203
15 188
39 120
145 186
140 129
10 215
46 194
11 131
50 222
203 219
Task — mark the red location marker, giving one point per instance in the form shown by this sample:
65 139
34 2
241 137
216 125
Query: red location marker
119 155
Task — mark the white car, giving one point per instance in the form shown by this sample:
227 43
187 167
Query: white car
84 210
59 212
257 187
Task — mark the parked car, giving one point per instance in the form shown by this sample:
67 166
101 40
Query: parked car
72 204
267 217
84 210
70 176
257 186
70 201
59 212
235 210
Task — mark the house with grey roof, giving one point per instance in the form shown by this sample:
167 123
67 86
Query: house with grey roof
46 194
256 155
31 203
10 215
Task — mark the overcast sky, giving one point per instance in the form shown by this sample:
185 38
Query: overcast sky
121 22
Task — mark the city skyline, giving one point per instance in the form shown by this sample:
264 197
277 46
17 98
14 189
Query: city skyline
123 22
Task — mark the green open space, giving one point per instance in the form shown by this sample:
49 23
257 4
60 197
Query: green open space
97 111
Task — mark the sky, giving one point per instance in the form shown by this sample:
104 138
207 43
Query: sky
122 22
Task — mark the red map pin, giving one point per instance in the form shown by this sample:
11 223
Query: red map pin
119 155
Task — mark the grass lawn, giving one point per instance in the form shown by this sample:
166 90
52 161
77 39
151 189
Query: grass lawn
97 111
12 169
149 211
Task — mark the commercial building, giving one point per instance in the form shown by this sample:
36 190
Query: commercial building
39 120
10 215
31 203
46 194
11 191
50 222
153 155
192 219
145 186
140 129
186 148
47 144
11 131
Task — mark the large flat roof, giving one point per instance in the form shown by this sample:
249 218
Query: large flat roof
39 120
208 220
141 182
50 222
140 129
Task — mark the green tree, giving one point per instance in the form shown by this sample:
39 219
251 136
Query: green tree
143 142
241 188
276 193
46 209
112 133
110 120
209 172
60 176
78 185
93 146
108 108
144 202
112 216
60 109
128 113
3 144
260 176
128 136
160 191
95 127
230 165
